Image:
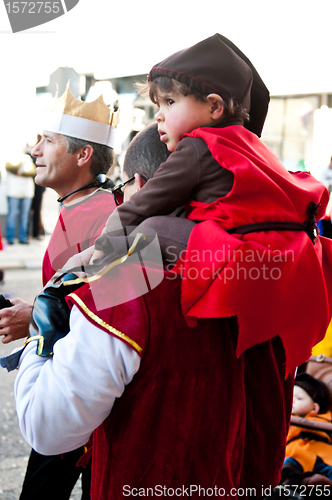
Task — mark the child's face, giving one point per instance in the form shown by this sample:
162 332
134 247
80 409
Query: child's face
179 114
302 402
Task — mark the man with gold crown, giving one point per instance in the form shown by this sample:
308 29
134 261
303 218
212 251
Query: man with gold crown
73 156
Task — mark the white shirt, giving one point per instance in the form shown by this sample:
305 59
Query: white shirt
61 400
19 186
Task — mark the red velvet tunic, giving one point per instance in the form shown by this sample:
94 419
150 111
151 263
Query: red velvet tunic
195 413
275 282
76 229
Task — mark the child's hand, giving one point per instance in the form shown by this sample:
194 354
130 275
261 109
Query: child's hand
97 254
79 260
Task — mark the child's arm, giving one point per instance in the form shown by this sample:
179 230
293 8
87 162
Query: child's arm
171 186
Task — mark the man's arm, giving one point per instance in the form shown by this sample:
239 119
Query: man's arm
61 400
14 321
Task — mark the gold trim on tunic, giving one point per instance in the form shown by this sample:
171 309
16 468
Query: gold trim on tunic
110 266
105 325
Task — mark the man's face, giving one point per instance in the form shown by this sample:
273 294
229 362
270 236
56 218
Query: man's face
178 115
56 168
129 189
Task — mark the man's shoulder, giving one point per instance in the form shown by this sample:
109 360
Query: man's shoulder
109 184
119 303
101 196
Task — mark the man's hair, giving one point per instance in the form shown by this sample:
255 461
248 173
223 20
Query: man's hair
145 153
165 84
101 159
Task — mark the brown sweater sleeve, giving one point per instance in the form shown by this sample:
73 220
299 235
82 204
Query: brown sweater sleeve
189 173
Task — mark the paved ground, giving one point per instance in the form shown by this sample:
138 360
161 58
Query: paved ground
22 264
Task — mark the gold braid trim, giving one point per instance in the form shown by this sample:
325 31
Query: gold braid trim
110 266
40 339
105 325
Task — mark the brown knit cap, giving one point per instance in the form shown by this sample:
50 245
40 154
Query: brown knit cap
216 65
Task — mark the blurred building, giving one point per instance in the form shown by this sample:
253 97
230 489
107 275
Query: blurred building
298 127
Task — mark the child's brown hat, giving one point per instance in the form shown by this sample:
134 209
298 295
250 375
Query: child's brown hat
216 65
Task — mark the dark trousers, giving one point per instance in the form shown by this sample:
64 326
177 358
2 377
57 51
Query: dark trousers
54 477
36 209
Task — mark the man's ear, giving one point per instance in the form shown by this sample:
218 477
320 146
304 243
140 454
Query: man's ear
139 181
217 106
84 155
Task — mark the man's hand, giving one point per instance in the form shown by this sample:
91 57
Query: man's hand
14 321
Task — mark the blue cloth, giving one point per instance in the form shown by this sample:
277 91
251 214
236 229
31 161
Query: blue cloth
18 208
319 468
290 460
322 468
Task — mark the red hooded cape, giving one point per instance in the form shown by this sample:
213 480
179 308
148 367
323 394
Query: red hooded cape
276 282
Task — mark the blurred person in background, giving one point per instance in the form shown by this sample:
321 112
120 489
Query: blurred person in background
2 274
326 176
20 192
37 224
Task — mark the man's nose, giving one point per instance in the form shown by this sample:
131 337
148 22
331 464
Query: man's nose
36 150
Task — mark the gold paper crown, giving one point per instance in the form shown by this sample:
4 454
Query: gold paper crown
90 121
96 110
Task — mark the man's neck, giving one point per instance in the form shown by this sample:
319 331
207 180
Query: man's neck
79 196
72 195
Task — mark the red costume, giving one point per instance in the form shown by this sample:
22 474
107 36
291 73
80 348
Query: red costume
193 414
76 229
281 271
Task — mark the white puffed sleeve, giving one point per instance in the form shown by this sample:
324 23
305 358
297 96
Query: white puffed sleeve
61 400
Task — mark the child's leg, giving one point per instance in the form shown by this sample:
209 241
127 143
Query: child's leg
173 234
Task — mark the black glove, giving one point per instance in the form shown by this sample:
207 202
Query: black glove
50 314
